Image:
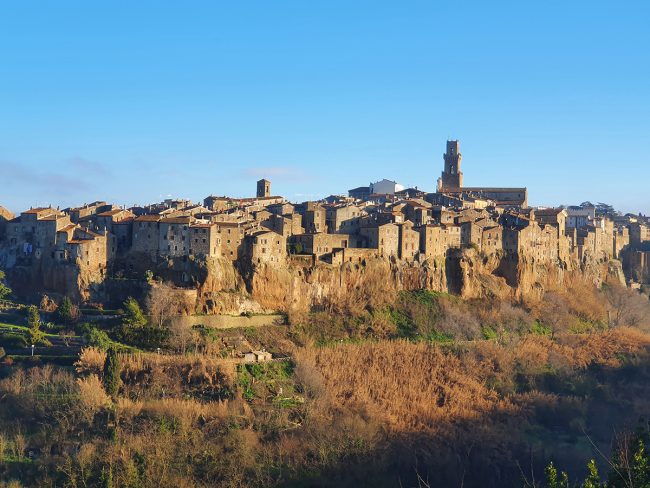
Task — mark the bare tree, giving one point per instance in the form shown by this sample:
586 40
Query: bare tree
182 336
555 313
626 307
163 302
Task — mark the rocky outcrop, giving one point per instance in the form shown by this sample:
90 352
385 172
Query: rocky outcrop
224 287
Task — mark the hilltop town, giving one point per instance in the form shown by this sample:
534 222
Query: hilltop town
78 251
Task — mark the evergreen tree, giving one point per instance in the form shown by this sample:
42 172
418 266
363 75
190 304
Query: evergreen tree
593 478
552 478
133 315
36 335
112 372
68 312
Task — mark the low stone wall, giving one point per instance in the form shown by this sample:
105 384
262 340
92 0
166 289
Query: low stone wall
228 321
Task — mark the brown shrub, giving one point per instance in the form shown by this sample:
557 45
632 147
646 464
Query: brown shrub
407 386
91 361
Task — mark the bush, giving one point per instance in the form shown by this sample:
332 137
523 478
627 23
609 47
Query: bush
99 339
68 312
12 340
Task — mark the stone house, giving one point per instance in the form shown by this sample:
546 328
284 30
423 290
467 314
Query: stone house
265 246
579 217
287 225
78 213
232 237
314 218
146 235
320 244
409 241
433 241
383 237
174 236
492 239
105 220
204 240
284 208
555 217
417 211
343 219
33 234
217 204
621 240
639 233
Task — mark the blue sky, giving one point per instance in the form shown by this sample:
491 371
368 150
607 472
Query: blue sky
134 101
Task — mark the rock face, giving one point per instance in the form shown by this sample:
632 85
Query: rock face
224 287
300 288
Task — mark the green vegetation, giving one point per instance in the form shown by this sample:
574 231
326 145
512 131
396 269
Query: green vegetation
68 313
5 291
112 371
407 388
136 329
36 335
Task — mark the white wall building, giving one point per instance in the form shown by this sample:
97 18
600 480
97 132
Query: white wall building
579 217
385 187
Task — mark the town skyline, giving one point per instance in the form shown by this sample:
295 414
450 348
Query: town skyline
281 178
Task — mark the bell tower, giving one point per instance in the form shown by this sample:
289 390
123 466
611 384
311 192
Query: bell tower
452 176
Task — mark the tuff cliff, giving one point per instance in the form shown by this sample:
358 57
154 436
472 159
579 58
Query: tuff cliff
225 287
297 287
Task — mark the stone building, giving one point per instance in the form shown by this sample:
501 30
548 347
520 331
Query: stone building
5 216
451 184
320 244
639 233
204 240
263 188
283 208
385 187
555 217
33 234
314 218
409 241
287 225
232 237
78 213
265 246
621 240
452 176
578 217
436 240
146 235
217 204
383 237
343 219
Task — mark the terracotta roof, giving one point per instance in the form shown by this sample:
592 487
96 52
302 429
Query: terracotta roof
147 218
37 210
175 220
67 228
127 220
110 213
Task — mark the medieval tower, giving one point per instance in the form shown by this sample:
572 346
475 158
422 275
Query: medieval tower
263 188
452 176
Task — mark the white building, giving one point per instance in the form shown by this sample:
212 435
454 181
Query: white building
579 217
385 187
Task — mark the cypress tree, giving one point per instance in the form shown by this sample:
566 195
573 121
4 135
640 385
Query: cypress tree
112 372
